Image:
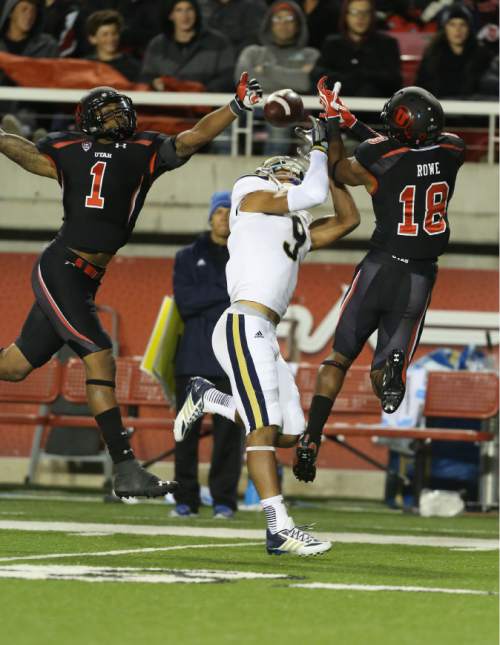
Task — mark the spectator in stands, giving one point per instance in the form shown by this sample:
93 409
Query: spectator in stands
21 34
200 292
187 51
58 16
322 20
238 19
104 29
488 84
453 63
141 24
21 23
282 59
366 61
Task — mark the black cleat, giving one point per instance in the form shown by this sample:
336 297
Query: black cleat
304 463
132 480
393 387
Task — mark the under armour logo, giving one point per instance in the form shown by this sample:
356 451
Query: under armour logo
120 145
201 263
259 334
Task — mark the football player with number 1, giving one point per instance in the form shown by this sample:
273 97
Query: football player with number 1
105 170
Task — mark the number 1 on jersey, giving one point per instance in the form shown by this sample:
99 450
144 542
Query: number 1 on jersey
95 200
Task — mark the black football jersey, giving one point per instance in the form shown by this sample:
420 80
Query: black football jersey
414 188
104 185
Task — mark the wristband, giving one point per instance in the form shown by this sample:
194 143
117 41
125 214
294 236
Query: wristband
333 128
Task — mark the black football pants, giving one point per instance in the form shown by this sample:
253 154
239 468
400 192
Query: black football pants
225 466
390 295
64 310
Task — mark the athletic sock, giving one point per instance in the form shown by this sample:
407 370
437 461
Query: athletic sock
216 402
276 513
319 412
114 435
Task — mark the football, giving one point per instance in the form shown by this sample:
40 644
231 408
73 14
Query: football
284 108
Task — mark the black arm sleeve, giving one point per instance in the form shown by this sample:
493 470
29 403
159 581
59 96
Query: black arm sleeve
166 158
362 132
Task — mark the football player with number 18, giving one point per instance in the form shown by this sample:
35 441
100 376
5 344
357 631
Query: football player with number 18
410 172
105 170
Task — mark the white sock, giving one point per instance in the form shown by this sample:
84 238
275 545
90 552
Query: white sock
216 402
276 513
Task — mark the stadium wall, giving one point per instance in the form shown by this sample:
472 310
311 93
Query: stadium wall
177 203
134 287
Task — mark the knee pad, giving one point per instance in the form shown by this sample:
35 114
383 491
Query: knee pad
102 382
337 364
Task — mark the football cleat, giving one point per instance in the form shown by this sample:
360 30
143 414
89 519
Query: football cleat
192 409
304 463
132 480
393 386
295 540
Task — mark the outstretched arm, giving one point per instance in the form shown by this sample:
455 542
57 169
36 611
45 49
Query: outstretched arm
327 230
248 95
26 154
342 170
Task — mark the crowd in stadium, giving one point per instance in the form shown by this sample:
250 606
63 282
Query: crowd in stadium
283 43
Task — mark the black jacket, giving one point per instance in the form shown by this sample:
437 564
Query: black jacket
368 68
200 291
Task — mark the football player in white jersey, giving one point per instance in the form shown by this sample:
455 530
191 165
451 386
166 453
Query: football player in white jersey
271 233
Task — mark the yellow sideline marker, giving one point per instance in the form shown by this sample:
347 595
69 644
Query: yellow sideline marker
159 357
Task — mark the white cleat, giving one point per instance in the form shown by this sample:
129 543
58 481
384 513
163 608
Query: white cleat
192 409
295 540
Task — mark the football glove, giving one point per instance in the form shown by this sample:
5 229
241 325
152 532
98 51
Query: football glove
313 138
328 99
347 118
304 463
248 95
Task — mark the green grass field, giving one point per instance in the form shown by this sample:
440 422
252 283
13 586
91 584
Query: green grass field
74 570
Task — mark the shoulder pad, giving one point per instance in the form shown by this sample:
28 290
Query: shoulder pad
146 134
373 153
54 137
250 174
451 142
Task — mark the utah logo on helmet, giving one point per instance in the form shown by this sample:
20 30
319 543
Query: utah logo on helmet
413 116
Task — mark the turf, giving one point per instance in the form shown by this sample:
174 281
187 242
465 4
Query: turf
247 611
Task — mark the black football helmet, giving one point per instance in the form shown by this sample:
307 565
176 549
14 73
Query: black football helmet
413 116
90 118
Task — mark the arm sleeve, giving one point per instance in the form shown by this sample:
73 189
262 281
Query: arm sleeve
190 299
166 156
362 132
313 191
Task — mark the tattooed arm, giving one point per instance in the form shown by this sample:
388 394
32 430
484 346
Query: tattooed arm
26 155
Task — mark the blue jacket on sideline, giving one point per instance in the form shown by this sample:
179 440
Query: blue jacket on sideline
200 291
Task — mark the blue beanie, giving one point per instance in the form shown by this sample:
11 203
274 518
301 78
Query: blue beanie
219 198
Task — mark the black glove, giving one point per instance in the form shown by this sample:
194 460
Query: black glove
304 463
313 138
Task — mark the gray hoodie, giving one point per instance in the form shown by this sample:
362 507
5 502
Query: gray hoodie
38 44
277 67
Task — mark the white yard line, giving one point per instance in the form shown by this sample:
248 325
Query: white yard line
246 534
355 587
55 556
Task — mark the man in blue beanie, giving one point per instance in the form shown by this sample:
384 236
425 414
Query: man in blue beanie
200 292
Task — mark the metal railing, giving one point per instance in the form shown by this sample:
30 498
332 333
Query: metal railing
489 109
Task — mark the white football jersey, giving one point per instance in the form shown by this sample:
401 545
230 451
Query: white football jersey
264 250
